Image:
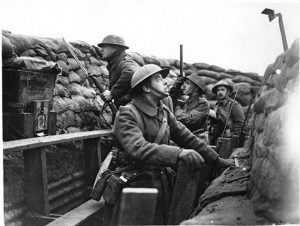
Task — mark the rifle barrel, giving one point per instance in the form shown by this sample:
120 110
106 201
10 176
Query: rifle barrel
181 60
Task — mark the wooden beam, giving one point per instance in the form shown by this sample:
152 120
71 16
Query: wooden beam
31 143
80 214
35 181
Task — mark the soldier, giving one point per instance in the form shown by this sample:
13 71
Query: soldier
227 110
121 68
195 111
144 128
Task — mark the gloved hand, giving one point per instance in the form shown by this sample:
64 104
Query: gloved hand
222 164
191 158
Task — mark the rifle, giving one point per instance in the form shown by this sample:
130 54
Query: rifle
93 80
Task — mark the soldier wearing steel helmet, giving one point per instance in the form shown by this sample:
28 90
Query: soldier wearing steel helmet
143 129
228 111
121 68
195 111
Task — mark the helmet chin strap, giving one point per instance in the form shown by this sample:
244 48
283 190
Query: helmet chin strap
158 93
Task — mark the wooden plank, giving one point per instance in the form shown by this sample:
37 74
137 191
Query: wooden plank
137 206
35 179
91 147
79 215
31 143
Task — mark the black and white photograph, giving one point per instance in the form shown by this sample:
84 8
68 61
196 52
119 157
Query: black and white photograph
150 112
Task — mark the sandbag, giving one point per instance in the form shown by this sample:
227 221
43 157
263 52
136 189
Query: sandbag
210 74
151 60
21 42
60 90
75 89
94 61
217 68
61 104
63 66
88 92
137 58
208 80
66 119
202 66
72 64
63 80
8 49
164 62
253 76
94 70
292 54
73 77
223 75
63 57
233 72
241 78
29 53
83 103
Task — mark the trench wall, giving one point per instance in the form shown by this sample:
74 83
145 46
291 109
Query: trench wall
274 184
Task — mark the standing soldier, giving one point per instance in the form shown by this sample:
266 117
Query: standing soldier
121 68
143 129
195 111
228 111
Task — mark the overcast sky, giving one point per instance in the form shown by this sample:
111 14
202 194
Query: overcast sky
229 34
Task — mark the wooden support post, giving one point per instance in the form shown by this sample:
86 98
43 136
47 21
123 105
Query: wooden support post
137 206
92 157
36 191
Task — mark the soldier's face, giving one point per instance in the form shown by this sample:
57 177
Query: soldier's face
107 51
157 84
189 88
222 92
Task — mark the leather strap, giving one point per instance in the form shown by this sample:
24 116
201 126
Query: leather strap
162 129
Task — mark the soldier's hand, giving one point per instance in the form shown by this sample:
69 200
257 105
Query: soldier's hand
107 95
191 158
222 164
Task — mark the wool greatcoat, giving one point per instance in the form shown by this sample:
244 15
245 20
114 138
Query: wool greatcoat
120 71
156 158
194 113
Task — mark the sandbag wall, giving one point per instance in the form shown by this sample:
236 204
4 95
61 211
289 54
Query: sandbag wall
76 101
243 82
274 187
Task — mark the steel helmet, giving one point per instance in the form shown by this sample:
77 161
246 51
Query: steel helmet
113 40
198 81
221 83
146 71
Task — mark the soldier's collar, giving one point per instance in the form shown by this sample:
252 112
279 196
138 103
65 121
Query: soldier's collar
117 59
146 106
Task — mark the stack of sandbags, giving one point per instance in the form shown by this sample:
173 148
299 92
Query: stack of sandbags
76 101
275 167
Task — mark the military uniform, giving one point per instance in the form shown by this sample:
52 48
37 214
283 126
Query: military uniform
194 113
236 118
155 159
121 70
